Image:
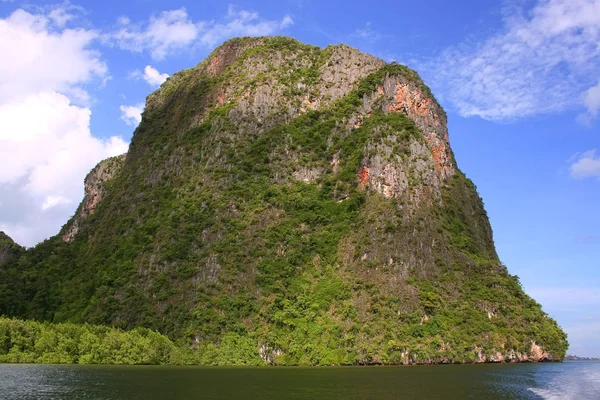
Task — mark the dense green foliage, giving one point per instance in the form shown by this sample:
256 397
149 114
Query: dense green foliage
9 250
205 237
67 343
35 342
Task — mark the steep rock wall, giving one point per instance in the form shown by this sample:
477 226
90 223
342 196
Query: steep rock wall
94 189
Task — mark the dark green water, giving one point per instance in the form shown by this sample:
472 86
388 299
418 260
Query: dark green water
569 380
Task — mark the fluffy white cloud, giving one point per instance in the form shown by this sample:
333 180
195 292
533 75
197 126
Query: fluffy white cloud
64 13
46 147
541 62
132 115
591 100
37 55
166 32
240 23
586 165
172 31
153 77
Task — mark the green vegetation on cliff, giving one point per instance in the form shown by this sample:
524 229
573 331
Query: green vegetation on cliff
9 250
289 205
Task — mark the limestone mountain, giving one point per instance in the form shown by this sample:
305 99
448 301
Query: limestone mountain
301 205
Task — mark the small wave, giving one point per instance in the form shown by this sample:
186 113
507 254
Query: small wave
579 383
549 394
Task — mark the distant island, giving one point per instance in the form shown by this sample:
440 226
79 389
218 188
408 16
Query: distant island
577 358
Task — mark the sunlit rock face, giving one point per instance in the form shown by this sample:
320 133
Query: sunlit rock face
94 189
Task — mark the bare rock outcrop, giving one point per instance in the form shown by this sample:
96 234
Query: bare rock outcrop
429 162
95 188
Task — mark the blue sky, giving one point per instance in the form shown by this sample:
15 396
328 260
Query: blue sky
520 81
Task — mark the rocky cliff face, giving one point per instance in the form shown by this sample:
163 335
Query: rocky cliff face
267 81
94 188
429 161
9 250
295 205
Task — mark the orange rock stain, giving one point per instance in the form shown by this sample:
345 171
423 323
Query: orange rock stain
363 175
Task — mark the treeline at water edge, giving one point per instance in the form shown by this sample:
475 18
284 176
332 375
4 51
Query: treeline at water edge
67 343
29 341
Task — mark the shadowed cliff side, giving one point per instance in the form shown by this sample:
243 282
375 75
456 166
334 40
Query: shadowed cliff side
9 250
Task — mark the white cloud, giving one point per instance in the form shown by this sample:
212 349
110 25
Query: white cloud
240 23
171 31
105 81
366 33
541 62
38 56
586 165
43 160
46 147
165 33
136 74
52 201
64 13
286 22
132 115
123 20
153 77
591 100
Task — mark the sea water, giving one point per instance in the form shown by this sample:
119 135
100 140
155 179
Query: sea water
568 380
